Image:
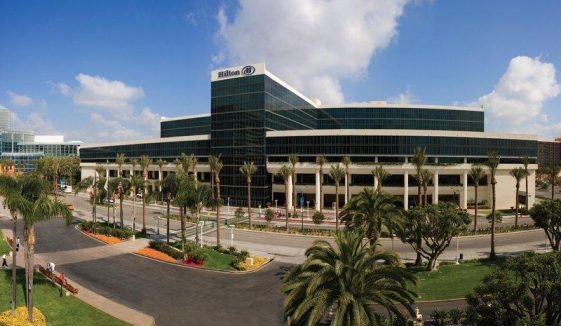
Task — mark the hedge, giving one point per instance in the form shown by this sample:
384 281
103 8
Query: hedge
106 229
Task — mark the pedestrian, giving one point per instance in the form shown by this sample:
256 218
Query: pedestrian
51 267
17 245
4 261
62 282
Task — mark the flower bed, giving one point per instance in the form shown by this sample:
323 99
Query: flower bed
104 238
20 317
153 253
257 263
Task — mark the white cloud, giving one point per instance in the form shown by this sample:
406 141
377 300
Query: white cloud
96 91
406 97
189 19
312 45
521 92
19 99
61 88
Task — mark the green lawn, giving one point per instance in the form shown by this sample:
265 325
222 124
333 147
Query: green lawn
57 310
218 261
450 281
4 247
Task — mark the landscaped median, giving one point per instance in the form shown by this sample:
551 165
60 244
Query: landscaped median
4 247
212 258
106 232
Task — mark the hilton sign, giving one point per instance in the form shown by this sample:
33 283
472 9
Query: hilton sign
240 71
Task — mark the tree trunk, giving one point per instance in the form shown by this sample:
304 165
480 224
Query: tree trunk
249 202
134 212
294 194
493 255
348 185
30 269
419 258
475 218
552 187
286 204
336 206
14 254
516 205
217 210
121 210
182 218
144 204
320 190
425 196
431 266
526 201
167 225
420 195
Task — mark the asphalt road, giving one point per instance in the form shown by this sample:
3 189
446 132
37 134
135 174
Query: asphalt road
174 295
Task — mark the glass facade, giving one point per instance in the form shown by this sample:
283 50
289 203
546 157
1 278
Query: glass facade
185 127
399 146
243 109
401 118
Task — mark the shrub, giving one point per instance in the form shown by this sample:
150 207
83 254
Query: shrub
237 264
439 317
269 215
106 229
523 211
243 254
498 217
165 248
318 218
199 255
239 213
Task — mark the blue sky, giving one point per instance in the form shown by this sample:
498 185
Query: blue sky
107 70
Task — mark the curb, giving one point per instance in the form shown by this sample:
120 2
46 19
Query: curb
206 269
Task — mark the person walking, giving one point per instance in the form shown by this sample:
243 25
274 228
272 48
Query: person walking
4 261
51 267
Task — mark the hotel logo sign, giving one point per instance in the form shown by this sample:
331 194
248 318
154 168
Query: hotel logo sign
245 71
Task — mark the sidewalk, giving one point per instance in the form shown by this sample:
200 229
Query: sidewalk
113 308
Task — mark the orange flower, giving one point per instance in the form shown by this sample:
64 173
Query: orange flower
106 239
152 253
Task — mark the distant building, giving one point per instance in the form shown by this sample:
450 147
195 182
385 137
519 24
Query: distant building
24 147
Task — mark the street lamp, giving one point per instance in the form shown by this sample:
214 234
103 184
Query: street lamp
232 227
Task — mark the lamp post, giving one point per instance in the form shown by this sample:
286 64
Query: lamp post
308 210
457 249
302 214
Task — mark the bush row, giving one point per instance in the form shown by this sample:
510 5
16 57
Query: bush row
238 256
106 229
193 251
165 248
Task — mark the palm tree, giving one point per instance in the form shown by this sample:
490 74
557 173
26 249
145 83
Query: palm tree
552 176
34 205
248 170
419 160
199 197
380 174
285 172
216 167
526 162
476 173
160 164
145 163
492 163
343 282
120 160
10 189
194 163
517 174
170 186
370 210
137 183
134 163
347 162
337 173
70 166
426 177
185 163
321 161
293 159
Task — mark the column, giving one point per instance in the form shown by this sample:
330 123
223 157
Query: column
435 190
318 198
406 190
160 177
195 173
272 186
346 187
375 183
289 192
465 190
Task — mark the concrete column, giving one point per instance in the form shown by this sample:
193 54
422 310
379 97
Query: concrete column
375 159
406 190
346 187
435 191
375 183
464 200
289 191
318 198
